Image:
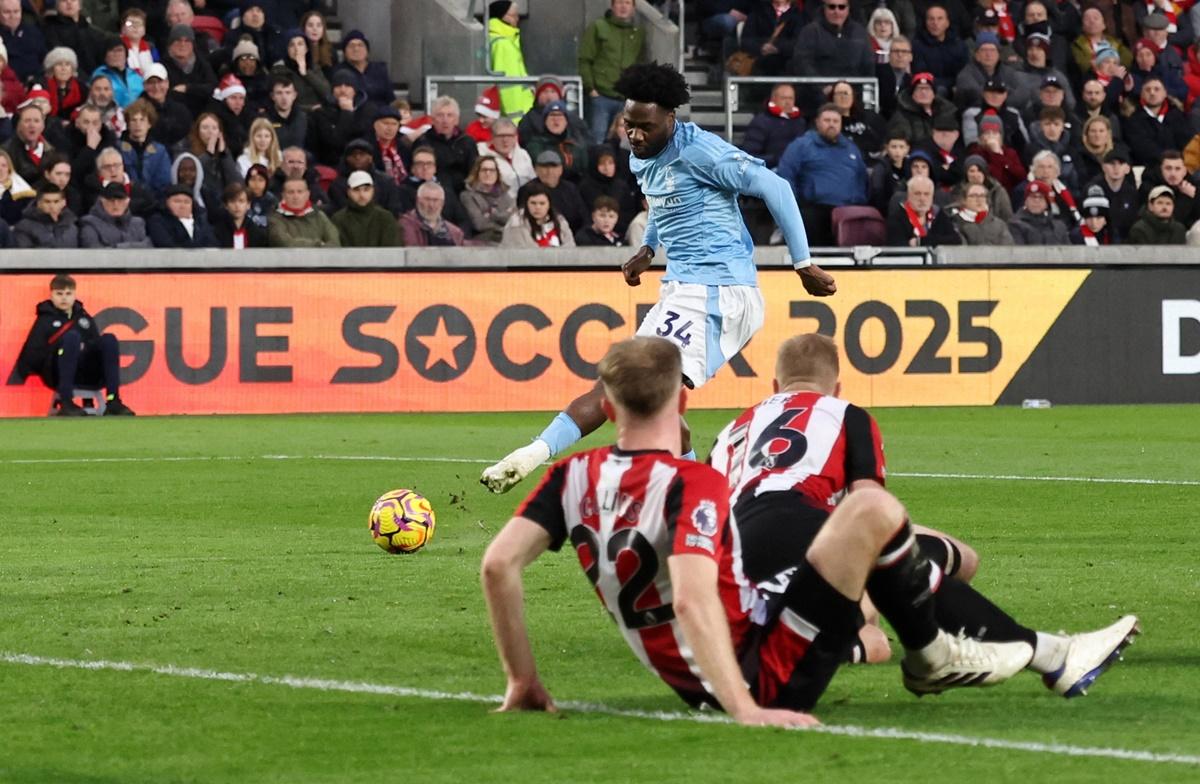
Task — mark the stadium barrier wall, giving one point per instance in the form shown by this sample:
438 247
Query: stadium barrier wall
393 340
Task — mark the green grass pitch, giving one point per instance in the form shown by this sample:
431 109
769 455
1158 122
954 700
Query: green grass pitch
249 564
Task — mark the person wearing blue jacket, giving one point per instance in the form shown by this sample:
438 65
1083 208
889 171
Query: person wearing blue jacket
826 170
126 83
148 162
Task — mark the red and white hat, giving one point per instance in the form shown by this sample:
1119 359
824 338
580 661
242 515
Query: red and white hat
417 126
37 92
488 104
228 86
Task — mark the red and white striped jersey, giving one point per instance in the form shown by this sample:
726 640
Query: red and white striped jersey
806 442
626 513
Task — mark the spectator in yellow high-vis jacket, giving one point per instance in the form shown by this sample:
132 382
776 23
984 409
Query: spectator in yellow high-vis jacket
505 41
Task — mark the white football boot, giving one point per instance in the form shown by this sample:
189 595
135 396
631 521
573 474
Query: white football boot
520 463
1089 654
956 662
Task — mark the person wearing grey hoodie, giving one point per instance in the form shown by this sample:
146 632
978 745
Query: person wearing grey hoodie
110 224
48 222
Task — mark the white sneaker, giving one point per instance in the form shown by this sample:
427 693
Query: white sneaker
520 463
1089 655
954 662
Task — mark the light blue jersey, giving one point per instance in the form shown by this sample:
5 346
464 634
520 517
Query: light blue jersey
692 187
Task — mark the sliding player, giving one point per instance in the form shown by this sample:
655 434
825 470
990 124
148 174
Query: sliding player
652 533
796 457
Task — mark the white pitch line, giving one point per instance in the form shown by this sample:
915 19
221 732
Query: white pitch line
481 461
358 687
1019 478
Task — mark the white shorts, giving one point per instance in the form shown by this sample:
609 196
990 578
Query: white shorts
710 323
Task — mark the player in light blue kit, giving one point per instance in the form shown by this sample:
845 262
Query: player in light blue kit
709 303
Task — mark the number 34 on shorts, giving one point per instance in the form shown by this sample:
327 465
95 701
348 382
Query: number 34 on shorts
672 328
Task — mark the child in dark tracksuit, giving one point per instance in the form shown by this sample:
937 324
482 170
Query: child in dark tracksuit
65 349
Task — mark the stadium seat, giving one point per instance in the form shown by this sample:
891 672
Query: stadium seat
858 226
95 396
326 175
212 25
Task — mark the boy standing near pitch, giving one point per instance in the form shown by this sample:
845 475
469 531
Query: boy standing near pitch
65 349
709 304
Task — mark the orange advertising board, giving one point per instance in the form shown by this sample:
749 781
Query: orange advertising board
257 342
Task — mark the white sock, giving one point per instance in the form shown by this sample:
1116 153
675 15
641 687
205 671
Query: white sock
1049 653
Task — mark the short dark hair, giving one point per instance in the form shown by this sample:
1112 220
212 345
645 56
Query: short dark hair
62 281
1052 113
657 83
897 135
284 79
52 159
48 189
232 191
1170 155
828 107
606 203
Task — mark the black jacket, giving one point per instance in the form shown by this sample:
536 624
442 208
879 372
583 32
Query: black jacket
166 231
455 156
256 236
48 330
1124 205
941 230
622 187
589 237
174 120
330 129
768 135
1147 137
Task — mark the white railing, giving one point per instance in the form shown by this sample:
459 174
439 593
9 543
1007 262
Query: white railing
868 84
572 84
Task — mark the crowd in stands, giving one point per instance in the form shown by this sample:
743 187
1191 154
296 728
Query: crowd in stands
998 123
157 123
239 125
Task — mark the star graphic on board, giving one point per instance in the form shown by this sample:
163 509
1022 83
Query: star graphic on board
441 345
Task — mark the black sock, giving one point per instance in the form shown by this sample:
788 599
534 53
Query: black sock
961 608
900 587
942 552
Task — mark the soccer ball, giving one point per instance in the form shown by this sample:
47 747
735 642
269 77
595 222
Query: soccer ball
401 521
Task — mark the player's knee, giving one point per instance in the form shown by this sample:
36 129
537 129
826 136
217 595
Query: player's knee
875 645
685 436
877 509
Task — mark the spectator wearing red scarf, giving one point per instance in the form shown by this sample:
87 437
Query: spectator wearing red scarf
66 93
920 222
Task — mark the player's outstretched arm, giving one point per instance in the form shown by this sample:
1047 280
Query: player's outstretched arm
777 193
515 547
700 613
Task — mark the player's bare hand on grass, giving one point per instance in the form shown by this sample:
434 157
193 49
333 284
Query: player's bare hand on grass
776 717
816 281
633 269
527 697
